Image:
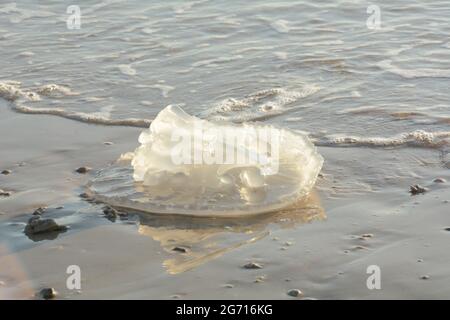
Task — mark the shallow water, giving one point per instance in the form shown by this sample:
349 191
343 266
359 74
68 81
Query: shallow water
303 65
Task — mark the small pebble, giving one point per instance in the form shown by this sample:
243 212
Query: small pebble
180 249
84 195
112 214
4 193
6 172
260 279
108 143
108 209
38 225
439 180
425 277
228 285
417 189
83 170
294 293
419 260
252 265
447 229
48 293
367 235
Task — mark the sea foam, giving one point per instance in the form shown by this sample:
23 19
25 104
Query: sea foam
20 100
258 106
418 138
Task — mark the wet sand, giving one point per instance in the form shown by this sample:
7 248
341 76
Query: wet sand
316 247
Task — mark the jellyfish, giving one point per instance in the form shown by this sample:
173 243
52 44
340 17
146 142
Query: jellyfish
190 166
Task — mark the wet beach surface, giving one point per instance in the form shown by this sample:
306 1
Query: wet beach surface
323 246
375 102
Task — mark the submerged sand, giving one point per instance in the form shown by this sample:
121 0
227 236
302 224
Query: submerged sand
360 214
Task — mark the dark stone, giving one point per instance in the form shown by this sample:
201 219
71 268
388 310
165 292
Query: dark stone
6 172
112 214
355 248
252 265
38 225
295 293
4 193
180 249
48 293
83 170
109 210
417 189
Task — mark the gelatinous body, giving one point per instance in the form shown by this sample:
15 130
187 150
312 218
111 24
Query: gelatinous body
186 165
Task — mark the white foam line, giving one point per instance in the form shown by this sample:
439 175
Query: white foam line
11 92
417 138
83 117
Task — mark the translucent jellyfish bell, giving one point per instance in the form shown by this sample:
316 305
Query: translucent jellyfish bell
189 166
